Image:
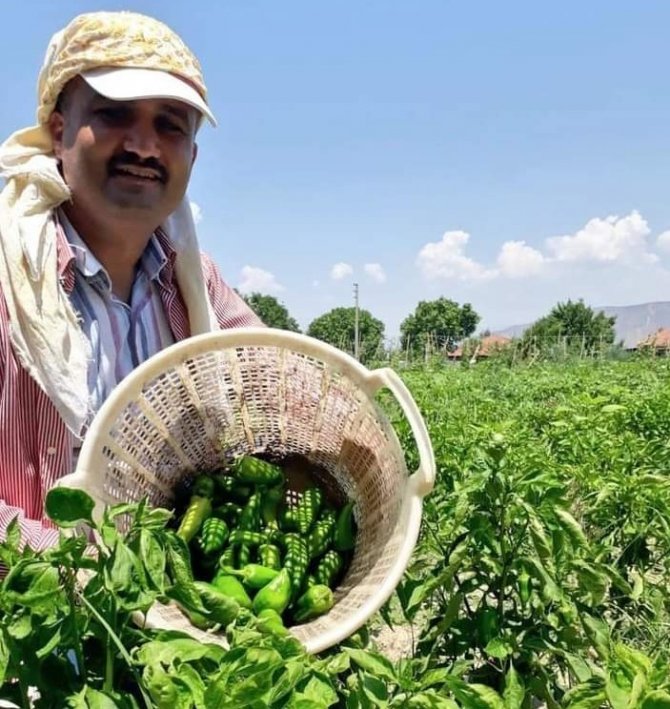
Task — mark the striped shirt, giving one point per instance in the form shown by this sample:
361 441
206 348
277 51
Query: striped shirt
122 335
35 446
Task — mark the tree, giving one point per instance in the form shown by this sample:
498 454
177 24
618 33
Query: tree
572 326
337 327
271 311
437 324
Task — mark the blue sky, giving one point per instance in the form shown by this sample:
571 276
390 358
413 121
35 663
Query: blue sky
511 155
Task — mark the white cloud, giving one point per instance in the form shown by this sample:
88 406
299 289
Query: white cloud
196 211
517 260
375 271
340 270
663 241
446 259
257 280
605 240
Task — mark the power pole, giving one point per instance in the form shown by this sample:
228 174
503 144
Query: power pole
356 334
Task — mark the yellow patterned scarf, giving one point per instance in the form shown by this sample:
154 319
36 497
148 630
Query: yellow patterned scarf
43 325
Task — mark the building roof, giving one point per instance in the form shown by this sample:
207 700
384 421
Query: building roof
659 339
484 347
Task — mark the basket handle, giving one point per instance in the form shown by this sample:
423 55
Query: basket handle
423 479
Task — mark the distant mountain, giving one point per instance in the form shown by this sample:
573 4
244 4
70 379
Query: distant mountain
633 322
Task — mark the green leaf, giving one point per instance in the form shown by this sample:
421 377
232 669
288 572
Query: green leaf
337 664
499 648
154 559
20 628
120 569
90 698
374 689
578 666
475 696
550 590
572 528
436 676
170 650
638 584
13 534
598 633
68 507
320 690
286 682
411 593
4 657
541 541
161 686
374 663
632 660
617 689
657 699
594 581
430 700
515 692
588 695
612 408
192 685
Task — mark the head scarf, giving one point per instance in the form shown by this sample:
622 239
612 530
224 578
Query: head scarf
43 325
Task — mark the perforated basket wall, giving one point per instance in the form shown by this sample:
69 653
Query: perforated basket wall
189 414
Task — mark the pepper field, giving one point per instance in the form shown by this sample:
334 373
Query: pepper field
540 577
543 564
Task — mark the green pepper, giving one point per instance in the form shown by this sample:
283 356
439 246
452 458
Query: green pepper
198 619
229 512
246 537
288 521
270 621
316 601
232 587
252 470
307 509
213 536
228 557
250 519
231 490
487 625
243 555
345 536
269 555
321 536
270 505
276 595
328 568
222 608
199 508
296 561
253 575
524 587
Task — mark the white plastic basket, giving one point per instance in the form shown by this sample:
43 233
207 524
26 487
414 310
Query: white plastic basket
254 390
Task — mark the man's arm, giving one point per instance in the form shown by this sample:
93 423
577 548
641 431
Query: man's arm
229 308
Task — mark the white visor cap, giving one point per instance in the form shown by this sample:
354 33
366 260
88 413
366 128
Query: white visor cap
131 83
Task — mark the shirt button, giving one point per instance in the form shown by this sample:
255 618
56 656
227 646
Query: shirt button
51 450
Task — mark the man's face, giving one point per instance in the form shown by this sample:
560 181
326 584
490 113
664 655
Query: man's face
124 159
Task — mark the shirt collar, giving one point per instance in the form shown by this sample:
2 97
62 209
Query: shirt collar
157 261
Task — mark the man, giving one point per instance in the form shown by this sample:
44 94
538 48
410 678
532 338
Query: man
99 262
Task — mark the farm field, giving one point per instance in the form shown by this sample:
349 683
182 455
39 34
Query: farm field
543 561
541 576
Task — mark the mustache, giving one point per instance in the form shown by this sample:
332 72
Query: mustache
131 160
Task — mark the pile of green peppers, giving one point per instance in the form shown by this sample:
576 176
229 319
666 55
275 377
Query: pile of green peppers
251 549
